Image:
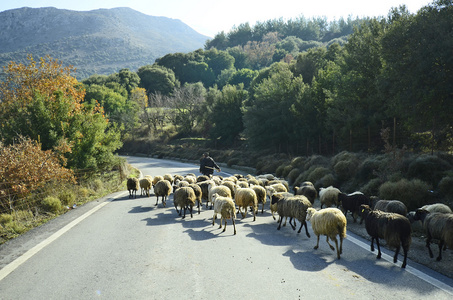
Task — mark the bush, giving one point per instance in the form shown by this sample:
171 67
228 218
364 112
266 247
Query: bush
446 186
293 175
5 218
67 197
369 168
51 204
232 161
372 187
317 174
317 160
298 162
286 170
413 193
428 168
345 170
325 181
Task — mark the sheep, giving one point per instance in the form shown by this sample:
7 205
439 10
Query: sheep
329 196
352 202
169 177
394 206
329 222
292 207
163 189
156 179
145 185
242 184
202 178
190 178
197 190
245 197
438 226
275 188
226 208
273 201
132 186
204 185
185 198
279 181
218 189
253 181
308 191
230 185
177 177
394 228
260 195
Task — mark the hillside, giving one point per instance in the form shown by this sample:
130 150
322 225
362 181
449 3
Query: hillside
95 42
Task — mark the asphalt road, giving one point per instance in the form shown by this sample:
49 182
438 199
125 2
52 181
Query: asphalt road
121 248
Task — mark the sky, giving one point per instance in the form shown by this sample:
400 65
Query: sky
210 17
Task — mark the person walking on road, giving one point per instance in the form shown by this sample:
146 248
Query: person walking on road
208 165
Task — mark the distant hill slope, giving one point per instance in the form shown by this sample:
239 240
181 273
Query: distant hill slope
100 41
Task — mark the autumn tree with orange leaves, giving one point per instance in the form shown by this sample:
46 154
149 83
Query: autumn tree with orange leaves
44 102
24 168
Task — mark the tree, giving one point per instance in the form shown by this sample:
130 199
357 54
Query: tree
226 114
44 102
268 120
157 79
218 60
419 69
26 168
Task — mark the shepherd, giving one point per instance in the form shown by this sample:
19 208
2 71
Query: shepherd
208 165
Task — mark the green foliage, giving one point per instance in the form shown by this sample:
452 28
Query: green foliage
293 175
413 193
67 196
316 173
5 219
157 79
428 168
51 204
446 187
226 114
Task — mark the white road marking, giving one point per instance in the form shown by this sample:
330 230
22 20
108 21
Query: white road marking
445 287
27 255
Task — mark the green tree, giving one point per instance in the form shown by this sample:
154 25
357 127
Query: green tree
268 120
157 79
226 114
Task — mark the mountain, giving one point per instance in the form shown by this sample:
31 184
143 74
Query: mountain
101 41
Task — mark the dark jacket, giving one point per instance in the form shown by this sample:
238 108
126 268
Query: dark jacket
207 166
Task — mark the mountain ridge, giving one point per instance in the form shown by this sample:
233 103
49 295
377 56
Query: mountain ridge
100 41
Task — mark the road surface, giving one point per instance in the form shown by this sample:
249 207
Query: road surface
121 248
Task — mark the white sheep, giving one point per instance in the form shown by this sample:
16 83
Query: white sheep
162 189
329 222
185 198
329 196
221 190
245 197
169 177
145 186
226 208
197 190
260 195
156 179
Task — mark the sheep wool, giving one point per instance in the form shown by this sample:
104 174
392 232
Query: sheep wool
184 198
438 226
329 196
132 186
293 207
329 222
145 186
162 189
197 190
352 202
394 228
221 190
245 197
394 206
260 195
227 210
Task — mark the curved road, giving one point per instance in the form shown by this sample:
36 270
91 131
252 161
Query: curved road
121 248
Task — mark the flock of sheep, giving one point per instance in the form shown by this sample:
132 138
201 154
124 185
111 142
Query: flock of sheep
384 219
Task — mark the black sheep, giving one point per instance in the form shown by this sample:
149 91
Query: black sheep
352 202
394 228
